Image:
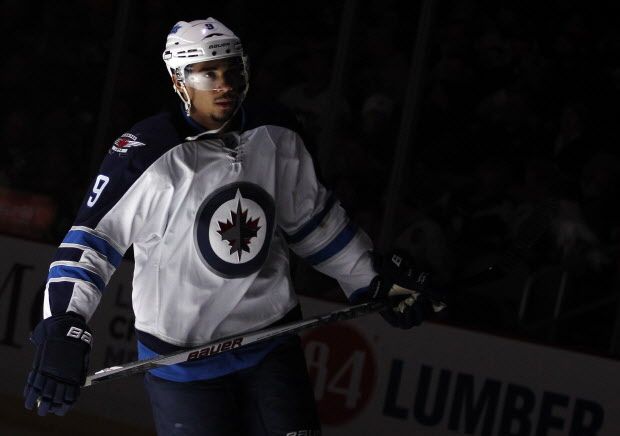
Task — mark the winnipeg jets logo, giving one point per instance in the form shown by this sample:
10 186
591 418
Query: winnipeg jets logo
233 229
238 231
125 142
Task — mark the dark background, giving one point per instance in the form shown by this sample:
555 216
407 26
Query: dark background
515 148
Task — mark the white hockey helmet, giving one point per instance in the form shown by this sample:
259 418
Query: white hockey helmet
198 41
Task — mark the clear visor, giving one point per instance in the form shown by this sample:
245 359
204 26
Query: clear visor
218 75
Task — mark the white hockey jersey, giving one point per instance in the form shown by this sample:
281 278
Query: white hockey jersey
211 219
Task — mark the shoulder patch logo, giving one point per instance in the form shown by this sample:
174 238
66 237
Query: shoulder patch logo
125 142
233 229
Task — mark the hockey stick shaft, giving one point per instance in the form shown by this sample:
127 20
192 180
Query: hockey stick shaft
231 342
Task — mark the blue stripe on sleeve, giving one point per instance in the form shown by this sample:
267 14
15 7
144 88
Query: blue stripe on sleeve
96 243
314 222
337 244
75 272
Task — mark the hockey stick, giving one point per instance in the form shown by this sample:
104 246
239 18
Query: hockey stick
233 342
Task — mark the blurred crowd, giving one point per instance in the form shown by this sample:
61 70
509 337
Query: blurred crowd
514 161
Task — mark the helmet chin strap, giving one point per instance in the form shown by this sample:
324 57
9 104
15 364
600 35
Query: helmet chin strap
187 102
181 90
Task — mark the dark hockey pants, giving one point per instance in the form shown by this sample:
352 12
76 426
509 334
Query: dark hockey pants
272 398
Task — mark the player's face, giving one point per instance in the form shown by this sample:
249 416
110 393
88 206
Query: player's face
215 89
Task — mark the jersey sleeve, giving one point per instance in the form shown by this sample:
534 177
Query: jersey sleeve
317 227
119 208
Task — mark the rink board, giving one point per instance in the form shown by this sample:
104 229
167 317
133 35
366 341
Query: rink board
369 379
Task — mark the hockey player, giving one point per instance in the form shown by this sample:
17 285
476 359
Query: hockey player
211 194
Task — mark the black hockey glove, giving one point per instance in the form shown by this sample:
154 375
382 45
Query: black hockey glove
63 345
407 291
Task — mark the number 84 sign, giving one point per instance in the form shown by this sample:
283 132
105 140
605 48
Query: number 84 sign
343 369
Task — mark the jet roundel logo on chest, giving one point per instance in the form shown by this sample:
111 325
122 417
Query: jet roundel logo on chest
233 229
